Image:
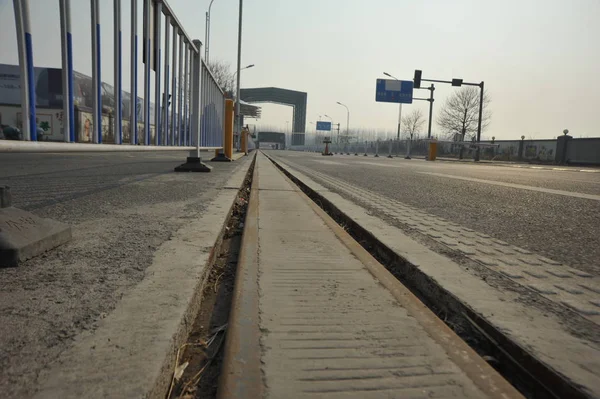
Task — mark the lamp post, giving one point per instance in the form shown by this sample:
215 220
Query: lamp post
399 109
347 123
239 65
207 33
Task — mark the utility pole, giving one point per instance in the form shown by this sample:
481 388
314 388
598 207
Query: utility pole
239 65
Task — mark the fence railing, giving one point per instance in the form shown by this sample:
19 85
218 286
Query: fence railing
404 148
188 107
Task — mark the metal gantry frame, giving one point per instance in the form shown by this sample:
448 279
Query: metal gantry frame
188 102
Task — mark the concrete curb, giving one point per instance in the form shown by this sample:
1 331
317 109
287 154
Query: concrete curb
131 353
241 375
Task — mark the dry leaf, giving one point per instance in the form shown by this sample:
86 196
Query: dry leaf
179 370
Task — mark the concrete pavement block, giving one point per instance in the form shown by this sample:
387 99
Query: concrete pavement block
24 235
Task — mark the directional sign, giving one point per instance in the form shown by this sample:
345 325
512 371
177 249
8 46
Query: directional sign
394 91
324 126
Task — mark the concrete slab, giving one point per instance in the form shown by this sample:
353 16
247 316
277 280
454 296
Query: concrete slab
24 235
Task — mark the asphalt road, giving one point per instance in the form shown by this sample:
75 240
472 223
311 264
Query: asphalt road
122 207
554 212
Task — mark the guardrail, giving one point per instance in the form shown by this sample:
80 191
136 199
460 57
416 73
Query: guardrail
188 100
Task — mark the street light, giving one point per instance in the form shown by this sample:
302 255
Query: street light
207 32
399 108
347 121
246 67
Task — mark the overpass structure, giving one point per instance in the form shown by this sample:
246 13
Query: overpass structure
296 99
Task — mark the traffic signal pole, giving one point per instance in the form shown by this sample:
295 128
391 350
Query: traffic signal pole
457 83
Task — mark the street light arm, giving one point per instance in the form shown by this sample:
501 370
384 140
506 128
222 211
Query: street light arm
343 105
347 119
246 67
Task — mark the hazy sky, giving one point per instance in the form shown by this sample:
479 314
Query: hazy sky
540 60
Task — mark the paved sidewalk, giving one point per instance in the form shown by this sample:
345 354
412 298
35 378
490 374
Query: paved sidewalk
328 328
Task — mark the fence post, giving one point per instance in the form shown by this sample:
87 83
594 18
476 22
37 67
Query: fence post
133 127
521 147
157 67
67 70
390 150
562 143
167 72
24 44
194 162
96 70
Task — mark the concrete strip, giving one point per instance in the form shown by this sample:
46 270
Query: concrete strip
131 353
327 326
324 162
518 186
241 375
237 155
544 337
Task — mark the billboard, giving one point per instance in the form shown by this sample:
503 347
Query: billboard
48 91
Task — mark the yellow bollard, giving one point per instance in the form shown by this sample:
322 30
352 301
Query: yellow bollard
432 151
226 154
245 141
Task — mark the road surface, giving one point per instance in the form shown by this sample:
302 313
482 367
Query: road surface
122 207
554 212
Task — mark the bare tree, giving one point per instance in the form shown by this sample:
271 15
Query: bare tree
221 70
460 113
413 123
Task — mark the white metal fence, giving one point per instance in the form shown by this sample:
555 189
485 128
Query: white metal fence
188 107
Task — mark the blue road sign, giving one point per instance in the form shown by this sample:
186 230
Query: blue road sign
326 126
394 91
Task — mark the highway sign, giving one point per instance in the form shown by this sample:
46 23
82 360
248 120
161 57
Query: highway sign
394 91
326 126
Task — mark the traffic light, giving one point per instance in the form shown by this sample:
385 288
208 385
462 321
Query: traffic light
417 79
